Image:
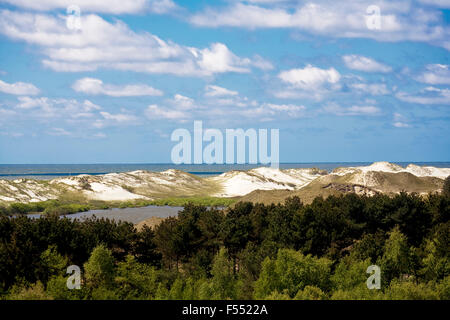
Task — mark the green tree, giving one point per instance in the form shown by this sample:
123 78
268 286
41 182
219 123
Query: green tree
436 262
176 290
222 281
136 280
99 269
350 273
52 263
292 271
396 260
237 229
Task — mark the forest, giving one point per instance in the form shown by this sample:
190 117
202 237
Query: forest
247 251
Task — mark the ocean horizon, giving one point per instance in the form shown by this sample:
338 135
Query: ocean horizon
51 171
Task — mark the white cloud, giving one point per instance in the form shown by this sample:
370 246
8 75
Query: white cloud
216 91
101 44
59 132
218 59
308 83
362 63
110 6
96 86
119 117
399 124
400 121
182 102
429 95
44 107
435 74
154 112
373 88
18 88
399 20
351 111
218 96
309 77
293 111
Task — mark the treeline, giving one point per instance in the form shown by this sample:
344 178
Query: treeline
289 251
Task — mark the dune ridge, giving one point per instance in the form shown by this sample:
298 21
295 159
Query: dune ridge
381 177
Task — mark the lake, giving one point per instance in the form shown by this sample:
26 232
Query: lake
133 215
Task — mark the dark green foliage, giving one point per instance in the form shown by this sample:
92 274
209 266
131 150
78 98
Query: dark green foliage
315 251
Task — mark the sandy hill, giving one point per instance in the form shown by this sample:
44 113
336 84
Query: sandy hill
260 184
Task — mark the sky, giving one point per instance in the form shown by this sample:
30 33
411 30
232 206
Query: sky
341 80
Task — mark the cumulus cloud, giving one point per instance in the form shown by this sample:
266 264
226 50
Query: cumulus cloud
362 63
96 86
309 77
182 102
219 96
119 117
101 44
154 112
44 107
18 88
216 91
399 20
374 89
429 95
309 82
435 74
110 6
292 111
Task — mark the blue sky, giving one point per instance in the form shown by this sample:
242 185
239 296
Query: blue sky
114 89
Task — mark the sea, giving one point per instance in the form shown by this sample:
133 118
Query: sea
51 171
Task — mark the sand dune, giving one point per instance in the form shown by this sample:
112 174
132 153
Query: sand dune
141 184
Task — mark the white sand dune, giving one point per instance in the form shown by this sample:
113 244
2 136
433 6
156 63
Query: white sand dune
416 170
239 183
143 184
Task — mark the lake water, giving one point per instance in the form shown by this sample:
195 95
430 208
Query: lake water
51 171
133 215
